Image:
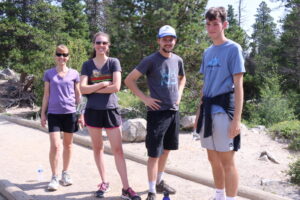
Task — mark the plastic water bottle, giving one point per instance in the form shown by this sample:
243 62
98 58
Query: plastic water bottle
166 196
40 173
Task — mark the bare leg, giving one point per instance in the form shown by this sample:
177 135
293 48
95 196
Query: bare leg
217 169
67 151
54 151
115 139
98 149
163 160
231 173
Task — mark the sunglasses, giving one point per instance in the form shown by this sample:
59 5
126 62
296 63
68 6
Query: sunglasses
62 54
100 42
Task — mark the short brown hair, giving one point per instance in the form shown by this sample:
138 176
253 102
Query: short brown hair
216 12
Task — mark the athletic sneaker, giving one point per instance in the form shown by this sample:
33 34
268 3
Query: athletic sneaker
129 194
151 196
66 179
215 198
53 185
103 187
163 187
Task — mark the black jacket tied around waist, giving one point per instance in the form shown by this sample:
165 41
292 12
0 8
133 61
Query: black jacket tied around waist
226 101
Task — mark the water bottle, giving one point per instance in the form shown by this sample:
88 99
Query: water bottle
40 173
166 196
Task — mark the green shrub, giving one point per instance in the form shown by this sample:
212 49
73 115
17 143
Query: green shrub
189 102
135 106
190 99
272 106
293 97
289 130
294 172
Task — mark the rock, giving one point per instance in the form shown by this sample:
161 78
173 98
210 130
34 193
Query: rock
275 183
134 130
8 72
254 130
2 109
187 122
264 182
3 76
261 128
267 155
263 158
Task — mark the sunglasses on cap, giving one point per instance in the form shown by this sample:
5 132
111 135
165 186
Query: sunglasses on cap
101 42
62 54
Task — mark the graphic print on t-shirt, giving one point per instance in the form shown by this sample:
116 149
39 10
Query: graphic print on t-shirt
97 76
214 63
168 78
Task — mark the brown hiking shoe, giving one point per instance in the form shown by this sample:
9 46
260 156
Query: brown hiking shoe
163 187
151 196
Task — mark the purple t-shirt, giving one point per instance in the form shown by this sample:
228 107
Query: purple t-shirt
62 91
100 101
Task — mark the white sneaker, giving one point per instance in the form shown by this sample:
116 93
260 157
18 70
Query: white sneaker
53 185
66 179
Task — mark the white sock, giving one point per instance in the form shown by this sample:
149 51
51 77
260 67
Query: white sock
159 177
152 188
220 194
230 198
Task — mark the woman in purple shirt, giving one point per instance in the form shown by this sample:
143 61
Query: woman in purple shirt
61 94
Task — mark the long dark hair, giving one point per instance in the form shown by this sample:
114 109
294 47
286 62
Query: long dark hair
94 40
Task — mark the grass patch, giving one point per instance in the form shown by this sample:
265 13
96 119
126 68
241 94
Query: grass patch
294 172
289 130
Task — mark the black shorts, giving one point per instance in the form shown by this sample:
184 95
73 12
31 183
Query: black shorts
102 118
63 122
162 132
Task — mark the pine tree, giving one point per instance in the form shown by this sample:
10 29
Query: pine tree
25 38
75 19
264 41
264 32
234 31
289 49
97 15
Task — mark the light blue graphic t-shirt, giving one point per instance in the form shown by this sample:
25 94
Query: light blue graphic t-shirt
219 64
162 78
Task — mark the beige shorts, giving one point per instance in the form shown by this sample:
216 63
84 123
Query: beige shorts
219 140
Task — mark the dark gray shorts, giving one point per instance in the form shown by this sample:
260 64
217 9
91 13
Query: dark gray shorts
110 118
162 132
219 141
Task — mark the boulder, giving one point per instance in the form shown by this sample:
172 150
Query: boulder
134 130
187 122
267 155
3 76
8 72
259 129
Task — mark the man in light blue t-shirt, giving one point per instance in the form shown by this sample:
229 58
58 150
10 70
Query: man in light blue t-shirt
219 117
